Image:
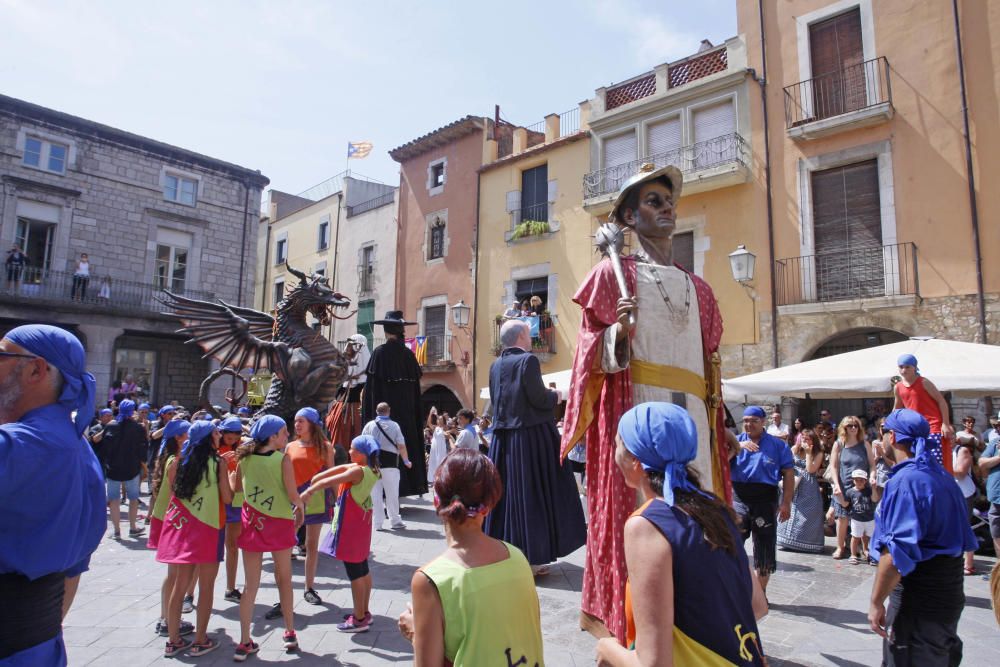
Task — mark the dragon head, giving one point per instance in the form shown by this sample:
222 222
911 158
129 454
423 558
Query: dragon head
314 295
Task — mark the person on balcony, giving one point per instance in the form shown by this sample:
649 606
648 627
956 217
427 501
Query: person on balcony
15 263
513 311
659 343
81 277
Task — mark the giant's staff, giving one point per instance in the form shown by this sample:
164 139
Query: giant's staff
610 239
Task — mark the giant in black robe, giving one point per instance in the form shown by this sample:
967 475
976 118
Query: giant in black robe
394 378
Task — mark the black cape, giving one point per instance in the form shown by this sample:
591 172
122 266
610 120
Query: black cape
394 378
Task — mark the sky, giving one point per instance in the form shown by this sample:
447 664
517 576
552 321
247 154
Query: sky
283 86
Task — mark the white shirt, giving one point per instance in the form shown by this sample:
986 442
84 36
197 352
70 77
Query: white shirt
82 269
779 431
466 440
391 429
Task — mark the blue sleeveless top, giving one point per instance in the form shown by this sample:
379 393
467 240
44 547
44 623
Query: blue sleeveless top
714 622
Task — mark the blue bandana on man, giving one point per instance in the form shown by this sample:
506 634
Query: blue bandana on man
921 532
45 539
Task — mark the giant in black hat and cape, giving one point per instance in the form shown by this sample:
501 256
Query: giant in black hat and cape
394 378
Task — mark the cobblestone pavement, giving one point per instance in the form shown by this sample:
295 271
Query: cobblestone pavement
818 613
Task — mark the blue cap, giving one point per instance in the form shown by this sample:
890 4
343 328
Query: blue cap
105 412
310 414
365 444
231 425
906 360
266 426
244 410
755 411
166 410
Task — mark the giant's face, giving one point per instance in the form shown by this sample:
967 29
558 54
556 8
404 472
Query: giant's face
655 216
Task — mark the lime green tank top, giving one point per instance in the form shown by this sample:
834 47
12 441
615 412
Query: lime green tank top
264 485
205 504
163 493
477 601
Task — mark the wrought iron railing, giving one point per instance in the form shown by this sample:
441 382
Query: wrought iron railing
851 273
569 122
727 149
536 212
434 350
376 202
62 287
542 343
366 278
853 88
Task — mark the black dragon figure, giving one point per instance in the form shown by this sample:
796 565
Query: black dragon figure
307 369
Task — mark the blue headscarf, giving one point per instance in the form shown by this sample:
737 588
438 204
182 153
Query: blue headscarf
125 410
907 360
310 414
909 426
243 411
64 351
145 406
664 439
166 410
105 411
266 426
366 444
231 425
174 428
755 411
199 431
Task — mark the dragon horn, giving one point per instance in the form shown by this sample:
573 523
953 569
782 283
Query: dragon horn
298 274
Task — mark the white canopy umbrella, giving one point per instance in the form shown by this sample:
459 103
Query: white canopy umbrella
965 369
561 378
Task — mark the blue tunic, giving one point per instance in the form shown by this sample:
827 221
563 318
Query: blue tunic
922 515
45 533
764 466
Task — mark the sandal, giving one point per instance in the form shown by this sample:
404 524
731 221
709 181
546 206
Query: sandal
172 649
198 650
838 554
970 571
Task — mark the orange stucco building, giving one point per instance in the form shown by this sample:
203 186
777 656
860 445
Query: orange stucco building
435 262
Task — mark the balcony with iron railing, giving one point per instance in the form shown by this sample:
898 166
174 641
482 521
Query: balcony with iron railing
855 96
543 339
45 287
366 279
371 204
706 165
850 274
435 353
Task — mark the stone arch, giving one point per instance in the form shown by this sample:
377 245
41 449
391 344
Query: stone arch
855 339
440 396
805 334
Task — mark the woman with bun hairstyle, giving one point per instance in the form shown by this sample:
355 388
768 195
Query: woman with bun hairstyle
272 510
192 537
231 429
311 454
174 435
476 603
350 538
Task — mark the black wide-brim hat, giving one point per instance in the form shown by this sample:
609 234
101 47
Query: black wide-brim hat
393 317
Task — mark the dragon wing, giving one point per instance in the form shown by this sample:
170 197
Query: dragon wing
236 337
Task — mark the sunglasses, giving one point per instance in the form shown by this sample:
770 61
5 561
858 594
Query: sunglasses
852 426
18 354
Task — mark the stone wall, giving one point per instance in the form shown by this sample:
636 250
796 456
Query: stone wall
179 368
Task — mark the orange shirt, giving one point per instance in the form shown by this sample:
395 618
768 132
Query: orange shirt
306 461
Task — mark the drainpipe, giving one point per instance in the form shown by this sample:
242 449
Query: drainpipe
475 289
336 252
266 280
762 82
243 245
974 208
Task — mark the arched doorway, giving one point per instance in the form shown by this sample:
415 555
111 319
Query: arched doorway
440 397
869 408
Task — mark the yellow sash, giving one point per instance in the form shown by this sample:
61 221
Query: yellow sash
668 377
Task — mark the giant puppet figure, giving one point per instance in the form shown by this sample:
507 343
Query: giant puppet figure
658 341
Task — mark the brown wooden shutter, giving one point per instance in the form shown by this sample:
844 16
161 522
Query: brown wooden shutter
847 225
838 74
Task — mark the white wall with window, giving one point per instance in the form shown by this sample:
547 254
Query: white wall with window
278 292
281 248
180 187
366 269
323 233
173 250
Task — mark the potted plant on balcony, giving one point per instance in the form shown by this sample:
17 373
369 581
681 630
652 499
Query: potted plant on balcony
530 228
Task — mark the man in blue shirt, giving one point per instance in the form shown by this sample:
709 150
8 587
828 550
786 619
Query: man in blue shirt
989 467
45 538
756 466
921 532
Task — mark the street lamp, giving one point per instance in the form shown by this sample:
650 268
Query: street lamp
460 314
742 262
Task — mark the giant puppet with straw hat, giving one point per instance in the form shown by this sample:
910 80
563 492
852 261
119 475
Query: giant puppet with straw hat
393 377
650 332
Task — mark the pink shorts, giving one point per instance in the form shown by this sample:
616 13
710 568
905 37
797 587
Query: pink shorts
262 532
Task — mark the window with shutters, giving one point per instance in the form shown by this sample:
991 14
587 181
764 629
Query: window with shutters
279 292
366 315
836 54
436 241
663 140
366 270
713 127
435 323
323 235
683 250
847 226
535 194
620 154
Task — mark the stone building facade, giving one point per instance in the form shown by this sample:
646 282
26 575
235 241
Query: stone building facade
150 216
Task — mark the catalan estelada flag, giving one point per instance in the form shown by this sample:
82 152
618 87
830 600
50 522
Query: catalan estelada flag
358 149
